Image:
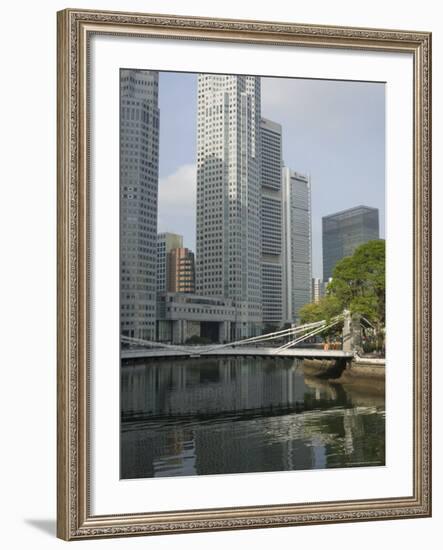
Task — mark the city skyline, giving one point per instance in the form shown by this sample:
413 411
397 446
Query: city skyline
252 219
334 133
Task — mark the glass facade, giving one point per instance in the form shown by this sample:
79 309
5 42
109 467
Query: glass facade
271 223
297 242
344 231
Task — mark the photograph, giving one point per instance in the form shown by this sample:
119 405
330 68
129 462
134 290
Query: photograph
252 273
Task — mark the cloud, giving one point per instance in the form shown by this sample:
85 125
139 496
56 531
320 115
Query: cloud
177 203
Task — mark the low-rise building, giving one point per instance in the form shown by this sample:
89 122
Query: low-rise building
183 315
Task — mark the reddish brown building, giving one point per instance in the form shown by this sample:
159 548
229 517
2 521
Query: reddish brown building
181 270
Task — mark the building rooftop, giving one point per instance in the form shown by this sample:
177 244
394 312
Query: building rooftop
353 210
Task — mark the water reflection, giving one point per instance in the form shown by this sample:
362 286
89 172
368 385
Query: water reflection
231 415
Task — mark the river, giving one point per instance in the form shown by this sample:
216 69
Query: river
201 416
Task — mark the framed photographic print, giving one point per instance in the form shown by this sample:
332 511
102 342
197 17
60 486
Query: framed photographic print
243 274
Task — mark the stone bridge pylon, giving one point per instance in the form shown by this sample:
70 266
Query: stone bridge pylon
352 341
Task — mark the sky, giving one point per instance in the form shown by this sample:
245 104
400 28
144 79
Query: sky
333 131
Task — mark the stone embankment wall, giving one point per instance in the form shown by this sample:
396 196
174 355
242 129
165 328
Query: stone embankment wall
341 370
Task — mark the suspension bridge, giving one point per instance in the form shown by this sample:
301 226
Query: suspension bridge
265 345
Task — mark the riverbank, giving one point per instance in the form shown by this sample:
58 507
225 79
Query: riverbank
357 370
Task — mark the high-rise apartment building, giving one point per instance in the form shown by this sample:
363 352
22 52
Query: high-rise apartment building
181 270
318 288
229 251
139 152
165 243
271 223
296 242
344 231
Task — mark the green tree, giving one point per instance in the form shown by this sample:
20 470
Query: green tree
325 309
358 282
358 285
310 313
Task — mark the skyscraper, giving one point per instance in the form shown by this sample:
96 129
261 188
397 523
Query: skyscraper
318 289
271 223
229 195
165 243
344 231
139 150
296 242
181 270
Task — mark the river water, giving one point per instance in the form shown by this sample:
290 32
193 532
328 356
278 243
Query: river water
202 416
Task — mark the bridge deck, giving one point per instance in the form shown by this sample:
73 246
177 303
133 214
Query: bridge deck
240 351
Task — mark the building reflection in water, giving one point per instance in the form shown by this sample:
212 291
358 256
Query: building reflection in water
232 415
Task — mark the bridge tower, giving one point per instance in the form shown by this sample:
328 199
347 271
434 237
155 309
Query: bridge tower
352 332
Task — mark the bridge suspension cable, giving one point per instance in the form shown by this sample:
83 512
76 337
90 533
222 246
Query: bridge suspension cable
303 331
149 343
318 330
269 336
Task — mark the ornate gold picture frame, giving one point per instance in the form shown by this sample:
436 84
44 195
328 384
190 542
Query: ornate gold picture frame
75 31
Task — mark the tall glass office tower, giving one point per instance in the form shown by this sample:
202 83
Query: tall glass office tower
228 259
271 220
297 238
139 150
344 231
